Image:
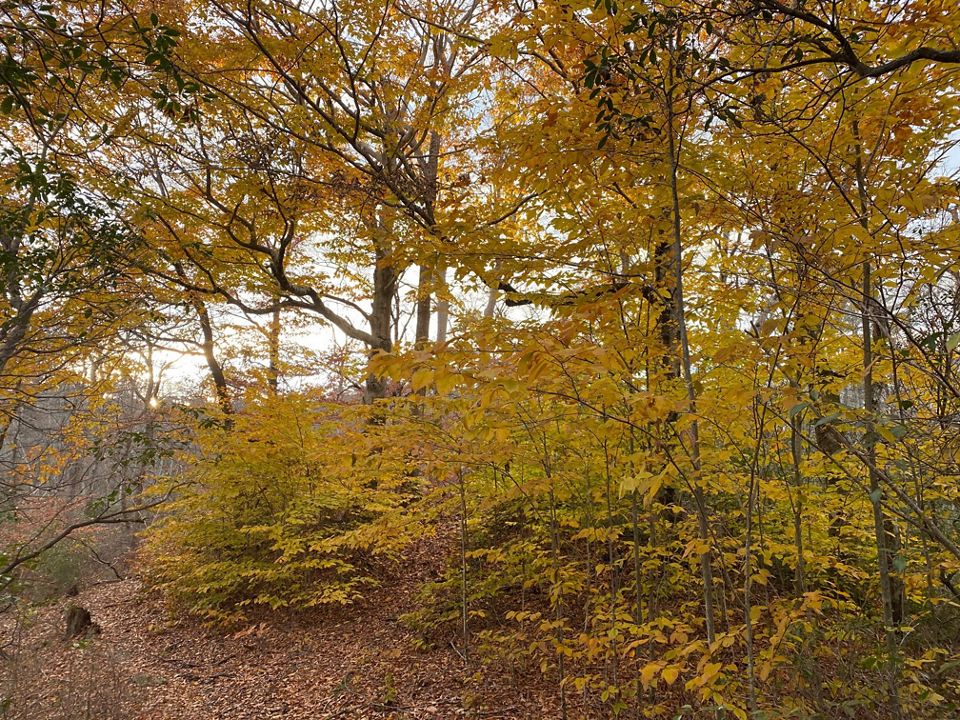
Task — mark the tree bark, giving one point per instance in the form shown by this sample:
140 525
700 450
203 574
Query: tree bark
385 278
210 355
273 342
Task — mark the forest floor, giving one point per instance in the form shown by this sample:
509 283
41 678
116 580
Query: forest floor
351 662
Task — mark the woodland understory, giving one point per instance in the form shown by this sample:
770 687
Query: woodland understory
480 358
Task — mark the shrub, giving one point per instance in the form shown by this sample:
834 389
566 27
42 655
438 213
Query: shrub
292 506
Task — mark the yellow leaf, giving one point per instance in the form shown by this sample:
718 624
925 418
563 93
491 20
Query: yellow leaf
422 378
446 382
710 672
670 674
648 672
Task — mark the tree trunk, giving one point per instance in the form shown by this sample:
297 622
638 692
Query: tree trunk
385 279
891 590
273 343
424 306
209 354
443 305
703 523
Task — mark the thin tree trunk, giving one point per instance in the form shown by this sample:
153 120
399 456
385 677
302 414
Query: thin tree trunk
703 524
443 305
273 342
210 355
463 566
558 606
491 303
612 561
800 576
424 306
881 523
876 497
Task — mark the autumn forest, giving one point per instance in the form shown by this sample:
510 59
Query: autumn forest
480 358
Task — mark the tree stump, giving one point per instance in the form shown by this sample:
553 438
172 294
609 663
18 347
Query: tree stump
79 623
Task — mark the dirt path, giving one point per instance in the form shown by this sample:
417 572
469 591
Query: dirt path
352 663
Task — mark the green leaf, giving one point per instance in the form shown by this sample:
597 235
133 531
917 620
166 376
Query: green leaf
798 408
898 431
826 419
